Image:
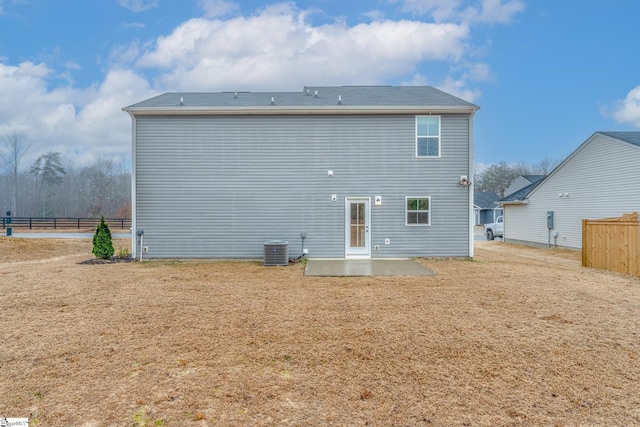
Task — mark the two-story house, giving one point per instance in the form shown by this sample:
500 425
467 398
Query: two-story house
337 172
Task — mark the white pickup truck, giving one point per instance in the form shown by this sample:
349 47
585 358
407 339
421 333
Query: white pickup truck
494 229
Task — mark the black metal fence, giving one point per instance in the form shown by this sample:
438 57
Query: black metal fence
61 223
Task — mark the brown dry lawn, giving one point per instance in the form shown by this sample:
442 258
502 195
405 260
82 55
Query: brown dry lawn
518 336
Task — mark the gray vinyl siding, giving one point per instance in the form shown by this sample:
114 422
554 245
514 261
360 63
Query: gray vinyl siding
220 186
601 179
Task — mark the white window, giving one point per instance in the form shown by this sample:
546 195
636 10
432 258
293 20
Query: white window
427 136
418 210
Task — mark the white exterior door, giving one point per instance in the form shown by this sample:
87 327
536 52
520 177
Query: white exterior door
357 222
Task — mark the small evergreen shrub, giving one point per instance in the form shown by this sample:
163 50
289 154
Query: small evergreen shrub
102 245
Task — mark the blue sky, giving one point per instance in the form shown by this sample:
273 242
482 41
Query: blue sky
546 73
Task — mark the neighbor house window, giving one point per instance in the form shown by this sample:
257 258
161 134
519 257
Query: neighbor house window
428 136
418 210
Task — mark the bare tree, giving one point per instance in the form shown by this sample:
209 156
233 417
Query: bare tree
101 190
15 147
546 165
497 178
48 171
520 168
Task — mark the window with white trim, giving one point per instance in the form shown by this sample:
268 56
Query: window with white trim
418 210
427 136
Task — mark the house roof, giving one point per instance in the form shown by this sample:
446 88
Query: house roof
313 98
630 137
485 199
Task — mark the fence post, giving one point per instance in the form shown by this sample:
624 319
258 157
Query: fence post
30 224
78 223
584 243
54 223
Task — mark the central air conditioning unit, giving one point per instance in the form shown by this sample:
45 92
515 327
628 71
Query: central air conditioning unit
276 252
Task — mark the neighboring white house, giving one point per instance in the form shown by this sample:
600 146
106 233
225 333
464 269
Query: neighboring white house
522 181
600 179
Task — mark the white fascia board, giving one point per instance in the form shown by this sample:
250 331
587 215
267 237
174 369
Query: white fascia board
274 109
516 202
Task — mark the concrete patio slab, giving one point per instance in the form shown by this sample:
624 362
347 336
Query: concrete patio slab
365 267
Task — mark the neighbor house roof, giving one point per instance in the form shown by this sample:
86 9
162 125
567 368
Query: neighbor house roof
533 178
332 99
521 195
485 199
521 182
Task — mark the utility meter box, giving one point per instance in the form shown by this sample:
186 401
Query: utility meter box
549 220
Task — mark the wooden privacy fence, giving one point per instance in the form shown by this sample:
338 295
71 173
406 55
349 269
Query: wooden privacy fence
56 223
612 244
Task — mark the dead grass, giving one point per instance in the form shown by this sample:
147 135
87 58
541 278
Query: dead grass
519 336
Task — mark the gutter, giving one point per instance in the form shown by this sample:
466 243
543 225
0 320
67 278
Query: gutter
516 202
293 110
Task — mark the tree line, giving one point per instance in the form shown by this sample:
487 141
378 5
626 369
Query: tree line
49 187
498 177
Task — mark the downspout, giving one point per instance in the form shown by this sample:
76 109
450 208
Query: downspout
470 188
134 219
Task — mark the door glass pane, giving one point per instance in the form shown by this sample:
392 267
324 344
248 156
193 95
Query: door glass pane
357 225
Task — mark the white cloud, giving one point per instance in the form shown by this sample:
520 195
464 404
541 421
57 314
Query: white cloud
478 72
441 10
489 11
375 15
138 5
627 111
217 8
417 80
134 25
79 123
494 11
278 48
101 125
125 54
459 88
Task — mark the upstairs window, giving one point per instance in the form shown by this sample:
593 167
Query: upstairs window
427 136
418 210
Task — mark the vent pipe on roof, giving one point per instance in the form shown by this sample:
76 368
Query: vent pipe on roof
181 101
273 101
315 95
339 99
307 94
235 95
